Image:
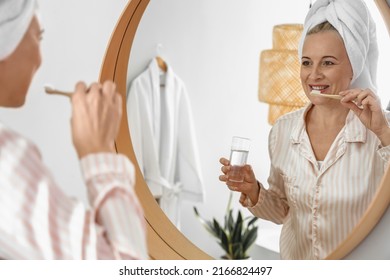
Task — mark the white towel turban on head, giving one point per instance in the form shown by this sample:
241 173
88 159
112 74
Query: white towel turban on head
353 21
15 18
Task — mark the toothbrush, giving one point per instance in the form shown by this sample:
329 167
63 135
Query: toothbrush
318 93
50 90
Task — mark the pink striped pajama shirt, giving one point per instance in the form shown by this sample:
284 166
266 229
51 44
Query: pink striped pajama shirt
38 221
318 205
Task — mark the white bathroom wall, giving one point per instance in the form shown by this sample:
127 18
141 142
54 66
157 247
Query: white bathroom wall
74 42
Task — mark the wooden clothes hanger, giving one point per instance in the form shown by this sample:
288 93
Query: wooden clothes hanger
161 64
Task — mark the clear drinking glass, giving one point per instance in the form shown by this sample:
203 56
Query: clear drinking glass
238 156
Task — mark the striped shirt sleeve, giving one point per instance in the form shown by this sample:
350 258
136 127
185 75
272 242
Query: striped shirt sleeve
272 203
39 221
110 180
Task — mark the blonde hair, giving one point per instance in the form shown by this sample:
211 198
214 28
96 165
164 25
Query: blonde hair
325 26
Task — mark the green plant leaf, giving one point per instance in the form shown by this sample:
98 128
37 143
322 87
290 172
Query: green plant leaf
224 242
230 222
249 238
226 219
207 224
236 236
202 221
211 229
217 228
238 252
252 221
239 217
237 231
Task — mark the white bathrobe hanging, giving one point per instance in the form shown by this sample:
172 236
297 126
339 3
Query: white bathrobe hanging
163 137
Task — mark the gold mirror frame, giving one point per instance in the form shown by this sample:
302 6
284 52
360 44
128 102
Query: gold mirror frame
164 240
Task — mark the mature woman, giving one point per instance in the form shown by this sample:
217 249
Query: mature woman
37 220
328 158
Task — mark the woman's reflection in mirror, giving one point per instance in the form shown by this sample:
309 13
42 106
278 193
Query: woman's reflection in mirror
327 158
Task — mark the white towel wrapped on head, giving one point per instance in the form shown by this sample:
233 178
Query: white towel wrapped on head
15 18
353 21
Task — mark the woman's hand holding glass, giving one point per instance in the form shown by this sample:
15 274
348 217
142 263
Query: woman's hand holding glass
248 187
366 105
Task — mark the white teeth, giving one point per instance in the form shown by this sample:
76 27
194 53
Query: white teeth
318 88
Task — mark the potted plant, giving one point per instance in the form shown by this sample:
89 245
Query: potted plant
237 234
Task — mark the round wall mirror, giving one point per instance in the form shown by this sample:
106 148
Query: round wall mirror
165 241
